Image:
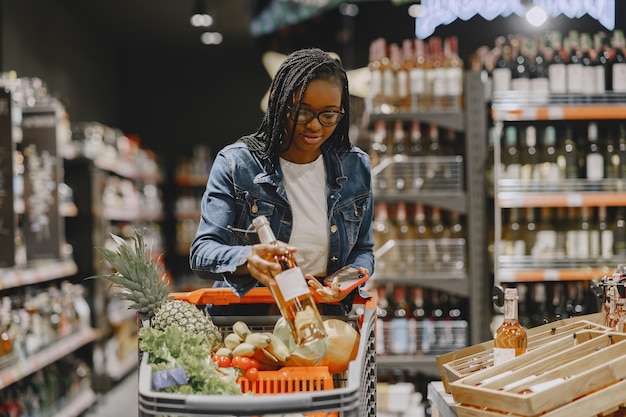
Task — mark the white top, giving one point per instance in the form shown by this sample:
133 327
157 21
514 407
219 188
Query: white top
306 190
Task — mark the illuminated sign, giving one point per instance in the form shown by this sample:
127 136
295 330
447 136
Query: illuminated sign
444 12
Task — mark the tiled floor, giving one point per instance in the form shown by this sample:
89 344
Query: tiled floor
120 401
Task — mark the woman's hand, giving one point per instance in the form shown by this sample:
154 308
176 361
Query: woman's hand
329 294
260 263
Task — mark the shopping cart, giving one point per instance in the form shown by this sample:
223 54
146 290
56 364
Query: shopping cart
312 392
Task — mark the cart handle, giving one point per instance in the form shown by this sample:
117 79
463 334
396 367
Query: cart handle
257 295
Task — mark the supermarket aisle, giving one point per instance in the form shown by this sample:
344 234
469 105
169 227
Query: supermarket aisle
121 401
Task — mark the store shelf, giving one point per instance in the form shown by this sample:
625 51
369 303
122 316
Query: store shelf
74 405
533 269
27 365
126 169
454 120
518 106
131 214
566 193
38 272
426 364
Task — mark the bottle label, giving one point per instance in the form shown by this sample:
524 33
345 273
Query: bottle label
558 78
389 84
418 80
606 243
599 78
291 283
520 84
502 355
399 336
619 78
501 79
455 81
575 78
440 81
589 75
595 166
403 84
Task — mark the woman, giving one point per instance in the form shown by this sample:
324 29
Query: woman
301 172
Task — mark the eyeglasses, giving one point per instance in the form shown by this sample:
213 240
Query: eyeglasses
326 118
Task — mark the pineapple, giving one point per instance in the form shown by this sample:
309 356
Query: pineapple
145 284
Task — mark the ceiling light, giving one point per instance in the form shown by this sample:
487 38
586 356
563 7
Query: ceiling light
200 16
211 38
536 16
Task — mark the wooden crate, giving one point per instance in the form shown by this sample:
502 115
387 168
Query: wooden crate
570 377
460 363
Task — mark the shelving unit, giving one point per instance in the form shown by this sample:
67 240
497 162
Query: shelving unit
114 347
510 108
473 281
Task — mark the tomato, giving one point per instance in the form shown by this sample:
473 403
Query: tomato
235 361
214 358
245 363
223 361
254 363
251 374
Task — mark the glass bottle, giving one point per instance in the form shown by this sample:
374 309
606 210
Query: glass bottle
398 149
511 157
399 323
618 63
502 70
575 80
417 76
594 163
557 71
510 339
292 292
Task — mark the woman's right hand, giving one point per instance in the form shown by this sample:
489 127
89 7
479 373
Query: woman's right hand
259 264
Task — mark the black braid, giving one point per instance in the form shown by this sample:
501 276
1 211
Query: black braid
296 72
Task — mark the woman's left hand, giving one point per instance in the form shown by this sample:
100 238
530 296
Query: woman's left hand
329 294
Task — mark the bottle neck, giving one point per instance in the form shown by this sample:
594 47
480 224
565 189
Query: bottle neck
510 309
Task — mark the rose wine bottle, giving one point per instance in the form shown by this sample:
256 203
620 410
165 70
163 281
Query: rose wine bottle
292 293
510 340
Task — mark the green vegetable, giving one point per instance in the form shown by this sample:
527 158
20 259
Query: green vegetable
173 348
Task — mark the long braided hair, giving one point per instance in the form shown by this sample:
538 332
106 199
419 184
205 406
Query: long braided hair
295 73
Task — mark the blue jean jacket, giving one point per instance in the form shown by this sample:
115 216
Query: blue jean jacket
241 187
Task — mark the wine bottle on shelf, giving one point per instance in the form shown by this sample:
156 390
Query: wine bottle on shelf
292 292
530 229
538 70
530 169
511 155
438 79
621 150
510 339
619 233
520 75
601 65
618 63
399 323
418 312
382 228
502 70
389 75
382 320
417 76
571 154
403 82
589 71
376 53
378 148
575 80
550 171
398 172
453 65
611 160
433 164
404 233
606 234
594 163
513 243
557 70
545 243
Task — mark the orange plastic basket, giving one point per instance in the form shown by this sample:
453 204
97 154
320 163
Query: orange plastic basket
289 379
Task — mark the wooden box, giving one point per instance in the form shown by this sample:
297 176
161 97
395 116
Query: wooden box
580 376
461 363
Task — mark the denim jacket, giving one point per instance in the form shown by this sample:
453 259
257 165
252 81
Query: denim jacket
242 186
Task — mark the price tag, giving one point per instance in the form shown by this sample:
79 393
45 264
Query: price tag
574 199
551 275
